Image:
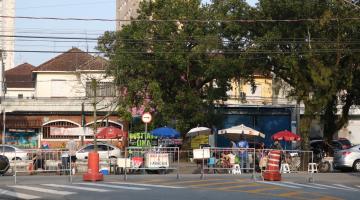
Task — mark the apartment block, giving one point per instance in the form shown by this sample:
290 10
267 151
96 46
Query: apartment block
7 28
125 10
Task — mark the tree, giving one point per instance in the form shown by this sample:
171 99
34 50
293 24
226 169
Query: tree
314 54
171 67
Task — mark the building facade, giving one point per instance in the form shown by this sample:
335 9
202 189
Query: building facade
7 28
61 105
125 10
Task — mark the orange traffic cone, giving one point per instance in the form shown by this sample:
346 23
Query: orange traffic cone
272 172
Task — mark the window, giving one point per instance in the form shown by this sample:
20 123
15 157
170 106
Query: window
88 148
64 124
104 89
7 149
20 96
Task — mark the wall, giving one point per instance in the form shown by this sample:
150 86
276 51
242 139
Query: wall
266 120
125 9
27 93
74 83
351 131
72 86
261 96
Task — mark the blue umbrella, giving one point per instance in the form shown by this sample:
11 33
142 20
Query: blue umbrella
165 132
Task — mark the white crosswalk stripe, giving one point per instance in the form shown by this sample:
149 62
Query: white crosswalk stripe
332 186
43 190
347 187
77 187
17 195
280 184
148 185
303 185
112 186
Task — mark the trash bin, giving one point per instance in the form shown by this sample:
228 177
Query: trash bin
65 164
4 164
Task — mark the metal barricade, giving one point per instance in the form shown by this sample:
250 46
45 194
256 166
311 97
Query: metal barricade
291 162
41 161
160 160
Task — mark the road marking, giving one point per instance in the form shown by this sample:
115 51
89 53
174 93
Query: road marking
148 185
44 190
280 184
262 189
290 194
237 186
113 186
303 185
153 181
344 186
77 187
17 195
191 181
329 186
217 183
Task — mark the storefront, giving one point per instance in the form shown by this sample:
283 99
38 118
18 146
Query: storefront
23 138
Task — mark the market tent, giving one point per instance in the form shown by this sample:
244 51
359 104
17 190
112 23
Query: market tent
165 132
110 133
234 133
198 131
286 136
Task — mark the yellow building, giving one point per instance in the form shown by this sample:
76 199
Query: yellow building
242 92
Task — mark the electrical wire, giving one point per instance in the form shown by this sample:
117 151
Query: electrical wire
178 20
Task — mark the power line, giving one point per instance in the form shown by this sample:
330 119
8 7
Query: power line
176 20
48 37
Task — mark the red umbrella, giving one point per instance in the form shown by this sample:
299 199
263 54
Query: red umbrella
110 133
285 135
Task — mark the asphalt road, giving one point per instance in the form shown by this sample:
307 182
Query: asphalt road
211 187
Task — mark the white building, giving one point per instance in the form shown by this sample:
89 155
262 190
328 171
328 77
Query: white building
58 93
7 28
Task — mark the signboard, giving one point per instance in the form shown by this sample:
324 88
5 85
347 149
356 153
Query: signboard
157 160
146 118
142 140
199 140
24 138
76 131
201 153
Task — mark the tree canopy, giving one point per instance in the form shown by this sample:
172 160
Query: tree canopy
178 58
172 62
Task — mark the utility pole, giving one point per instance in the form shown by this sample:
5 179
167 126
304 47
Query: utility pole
94 87
3 90
82 122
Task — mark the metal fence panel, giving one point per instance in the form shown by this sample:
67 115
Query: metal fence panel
160 160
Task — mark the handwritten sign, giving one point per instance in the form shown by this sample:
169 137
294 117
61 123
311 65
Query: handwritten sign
157 160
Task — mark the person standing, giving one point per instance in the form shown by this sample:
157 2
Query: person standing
243 154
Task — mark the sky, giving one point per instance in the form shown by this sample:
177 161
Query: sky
104 9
